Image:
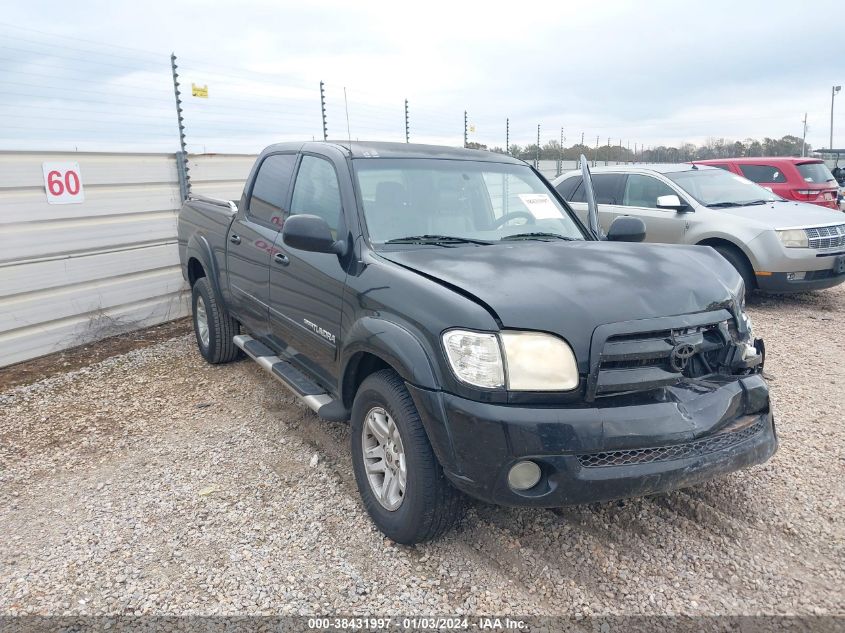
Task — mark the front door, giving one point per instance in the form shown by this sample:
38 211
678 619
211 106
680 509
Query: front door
640 199
250 241
306 289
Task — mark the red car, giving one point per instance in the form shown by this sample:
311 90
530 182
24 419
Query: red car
802 179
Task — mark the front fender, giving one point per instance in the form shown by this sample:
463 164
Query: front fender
406 353
395 345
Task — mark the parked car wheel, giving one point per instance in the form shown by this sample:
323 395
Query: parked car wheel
740 262
400 480
213 327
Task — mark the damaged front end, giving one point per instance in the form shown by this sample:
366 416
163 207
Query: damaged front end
668 402
695 350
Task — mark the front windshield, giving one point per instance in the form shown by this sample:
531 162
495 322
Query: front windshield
440 201
717 187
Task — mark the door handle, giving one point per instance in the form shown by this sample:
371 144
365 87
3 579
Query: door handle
281 259
234 239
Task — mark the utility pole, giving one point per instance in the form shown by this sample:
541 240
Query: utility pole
465 128
181 155
537 153
607 156
804 138
560 154
407 124
507 136
833 91
323 110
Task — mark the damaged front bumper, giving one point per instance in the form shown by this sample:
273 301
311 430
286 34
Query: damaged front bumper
678 436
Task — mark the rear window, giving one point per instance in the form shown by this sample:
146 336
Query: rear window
762 173
566 187
606 187
816 173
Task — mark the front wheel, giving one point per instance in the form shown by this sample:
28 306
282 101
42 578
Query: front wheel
400 480
738 260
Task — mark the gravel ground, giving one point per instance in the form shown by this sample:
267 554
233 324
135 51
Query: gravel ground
152 483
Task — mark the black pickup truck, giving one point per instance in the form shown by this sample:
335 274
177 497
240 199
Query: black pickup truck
478 337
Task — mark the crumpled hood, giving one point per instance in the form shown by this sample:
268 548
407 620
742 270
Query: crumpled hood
570 288
785 214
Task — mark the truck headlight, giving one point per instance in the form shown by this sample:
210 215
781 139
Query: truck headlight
794 238
524 361
539 362
475 358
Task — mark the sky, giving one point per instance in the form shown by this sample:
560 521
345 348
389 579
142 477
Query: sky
93 75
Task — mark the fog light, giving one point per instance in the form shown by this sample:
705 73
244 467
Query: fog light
795 276
524 475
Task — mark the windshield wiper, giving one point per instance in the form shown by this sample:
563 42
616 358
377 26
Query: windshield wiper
722 205
538 235
746 203
436 239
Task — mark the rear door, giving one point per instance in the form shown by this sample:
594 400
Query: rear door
250 241
306 289
639 198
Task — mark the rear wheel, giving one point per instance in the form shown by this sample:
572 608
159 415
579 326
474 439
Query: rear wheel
213 327
400 480
738 260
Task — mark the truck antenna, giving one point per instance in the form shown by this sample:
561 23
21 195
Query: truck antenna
346 106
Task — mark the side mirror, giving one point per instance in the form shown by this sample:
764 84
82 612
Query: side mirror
672 202
626 228
310 233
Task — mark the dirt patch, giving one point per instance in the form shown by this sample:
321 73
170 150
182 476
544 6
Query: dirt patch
37 369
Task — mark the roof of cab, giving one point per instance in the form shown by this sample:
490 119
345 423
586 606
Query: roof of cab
370 149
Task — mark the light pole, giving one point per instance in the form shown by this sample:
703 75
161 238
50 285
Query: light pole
833 91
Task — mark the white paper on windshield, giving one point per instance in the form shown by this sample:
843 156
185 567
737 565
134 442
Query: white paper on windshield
540 205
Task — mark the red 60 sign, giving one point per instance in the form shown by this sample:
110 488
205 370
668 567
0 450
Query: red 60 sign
63 183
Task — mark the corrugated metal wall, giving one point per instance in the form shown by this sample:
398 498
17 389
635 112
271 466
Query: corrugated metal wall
70 274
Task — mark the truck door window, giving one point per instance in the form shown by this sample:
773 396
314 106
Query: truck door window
316 191
271 189
643 191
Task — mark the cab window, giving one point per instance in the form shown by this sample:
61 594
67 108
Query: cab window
316 191
272 183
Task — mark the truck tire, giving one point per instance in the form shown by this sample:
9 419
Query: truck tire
738 260
213 326
386 425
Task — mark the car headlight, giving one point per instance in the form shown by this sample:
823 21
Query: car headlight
524 361
794 238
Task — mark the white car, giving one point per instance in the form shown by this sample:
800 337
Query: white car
776 245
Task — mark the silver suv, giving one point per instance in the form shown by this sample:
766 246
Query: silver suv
776 245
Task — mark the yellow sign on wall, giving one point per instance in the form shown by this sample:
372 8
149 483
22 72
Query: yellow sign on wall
199 91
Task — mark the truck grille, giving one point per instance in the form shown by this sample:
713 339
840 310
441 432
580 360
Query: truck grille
826 237
702 446
644 360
